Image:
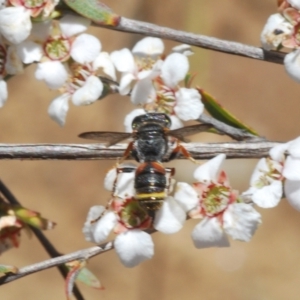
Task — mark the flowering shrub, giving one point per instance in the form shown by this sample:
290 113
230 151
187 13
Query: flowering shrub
73 63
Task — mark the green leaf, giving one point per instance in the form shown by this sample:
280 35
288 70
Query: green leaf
78 272
32 218
221 114
88 278
8 269
94 10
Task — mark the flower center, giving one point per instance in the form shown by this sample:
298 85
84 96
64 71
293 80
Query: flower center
58 48
215 200
30 4
133 215
144 63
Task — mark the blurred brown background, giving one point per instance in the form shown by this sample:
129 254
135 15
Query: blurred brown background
257 92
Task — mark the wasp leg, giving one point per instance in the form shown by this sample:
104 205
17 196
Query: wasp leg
126 153
181 150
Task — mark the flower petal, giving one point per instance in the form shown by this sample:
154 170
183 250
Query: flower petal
209 170
58 109
275 31
133 247
174 69
294 3
89 92
176 123
240 221
188 104
89 226
208 233
15 24
85 48
277 152
292 64
268 196
170 218
125 82
292 193
125 178
125 183
186 196
104 61
71 25
104 226
123 60
183 49
29 52
291 168
52 72
294 147
3 92
148 46
142 92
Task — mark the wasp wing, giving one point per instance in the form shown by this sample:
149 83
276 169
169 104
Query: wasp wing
181 133
109 137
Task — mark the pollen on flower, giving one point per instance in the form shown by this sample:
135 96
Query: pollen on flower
57 49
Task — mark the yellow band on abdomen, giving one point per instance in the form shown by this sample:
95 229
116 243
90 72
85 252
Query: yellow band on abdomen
161 195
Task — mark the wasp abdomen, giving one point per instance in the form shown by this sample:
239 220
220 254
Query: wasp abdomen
150 184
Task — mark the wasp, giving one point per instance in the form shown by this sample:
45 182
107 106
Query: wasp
150 146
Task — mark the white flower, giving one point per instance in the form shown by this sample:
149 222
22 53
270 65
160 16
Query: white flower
272 173
54 44
215 202
140 65
185 103
132 245
266 184
276 30
15 21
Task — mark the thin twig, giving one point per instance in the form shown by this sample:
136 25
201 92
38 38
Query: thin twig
43 240
202 41
247 149
53 262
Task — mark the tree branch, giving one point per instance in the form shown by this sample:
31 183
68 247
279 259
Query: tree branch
247 149
202 41
53 262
